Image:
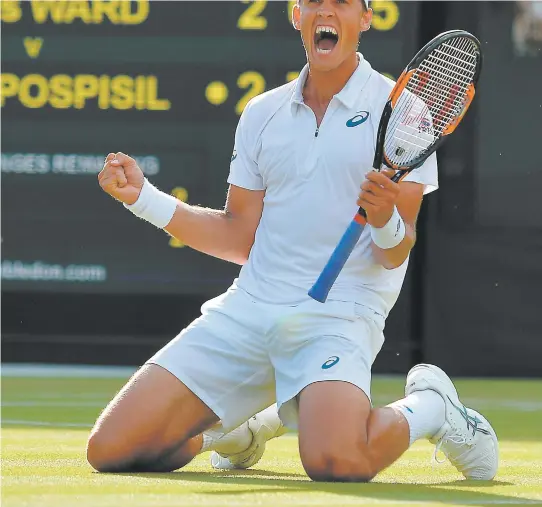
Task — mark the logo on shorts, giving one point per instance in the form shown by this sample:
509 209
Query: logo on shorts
234 155
360 118
332 361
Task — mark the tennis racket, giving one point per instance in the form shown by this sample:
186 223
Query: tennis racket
426 105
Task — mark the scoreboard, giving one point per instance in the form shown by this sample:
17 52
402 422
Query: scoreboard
162 81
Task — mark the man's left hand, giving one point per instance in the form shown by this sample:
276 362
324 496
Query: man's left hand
378 196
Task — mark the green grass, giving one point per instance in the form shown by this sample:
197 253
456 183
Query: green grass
44 466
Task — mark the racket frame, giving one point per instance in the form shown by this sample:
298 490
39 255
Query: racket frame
401 84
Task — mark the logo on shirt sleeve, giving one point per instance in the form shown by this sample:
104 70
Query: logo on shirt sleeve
233 155
361 117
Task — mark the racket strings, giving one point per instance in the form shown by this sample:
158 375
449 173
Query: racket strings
439 78
432 99
444 87
448 82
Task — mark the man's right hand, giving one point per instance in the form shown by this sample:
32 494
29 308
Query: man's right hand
121 178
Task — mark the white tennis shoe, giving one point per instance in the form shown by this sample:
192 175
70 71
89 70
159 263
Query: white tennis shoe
262 430
466 437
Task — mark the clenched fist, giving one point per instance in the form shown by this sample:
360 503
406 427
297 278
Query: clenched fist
121 178
378 197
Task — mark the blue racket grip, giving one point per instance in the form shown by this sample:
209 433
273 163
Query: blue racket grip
336 262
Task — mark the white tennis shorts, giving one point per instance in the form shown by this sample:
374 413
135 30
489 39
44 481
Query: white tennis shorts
242 354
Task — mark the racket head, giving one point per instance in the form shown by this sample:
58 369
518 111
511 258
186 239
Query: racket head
429 100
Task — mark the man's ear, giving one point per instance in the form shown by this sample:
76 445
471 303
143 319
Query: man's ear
366 20
296 16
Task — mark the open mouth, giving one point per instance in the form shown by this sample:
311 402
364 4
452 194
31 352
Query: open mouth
325 39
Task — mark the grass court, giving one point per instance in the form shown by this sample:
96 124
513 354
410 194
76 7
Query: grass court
46 420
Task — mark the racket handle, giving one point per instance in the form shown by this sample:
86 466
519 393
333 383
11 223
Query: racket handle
336 262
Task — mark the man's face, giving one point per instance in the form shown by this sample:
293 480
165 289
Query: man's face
330 29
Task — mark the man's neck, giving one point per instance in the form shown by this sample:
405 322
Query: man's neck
320 87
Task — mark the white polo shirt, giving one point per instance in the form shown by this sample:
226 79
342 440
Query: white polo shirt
311 179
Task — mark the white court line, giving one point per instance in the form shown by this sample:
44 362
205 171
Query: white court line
40 396
62 370
24 422
32 403
101 401
520 406
46 424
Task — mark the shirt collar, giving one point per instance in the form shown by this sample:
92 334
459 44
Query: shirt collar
348 94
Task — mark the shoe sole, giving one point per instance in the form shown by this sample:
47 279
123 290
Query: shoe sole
220 462
259 442
495 447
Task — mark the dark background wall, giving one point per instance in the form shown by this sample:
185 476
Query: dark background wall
470 302
482 277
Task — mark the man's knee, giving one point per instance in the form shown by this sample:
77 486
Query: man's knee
126 438
107 453
331 466
101 455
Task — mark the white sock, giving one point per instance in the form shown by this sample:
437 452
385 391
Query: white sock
237 440
207 442
271 418
424 412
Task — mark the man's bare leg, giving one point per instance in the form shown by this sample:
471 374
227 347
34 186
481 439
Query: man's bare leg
347 440
153 424
341 438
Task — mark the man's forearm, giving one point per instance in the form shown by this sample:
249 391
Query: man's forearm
392 258
214 232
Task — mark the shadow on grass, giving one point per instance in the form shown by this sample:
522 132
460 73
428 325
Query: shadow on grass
477 484
262 481
222 476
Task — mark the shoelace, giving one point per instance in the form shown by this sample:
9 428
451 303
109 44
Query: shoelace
454 438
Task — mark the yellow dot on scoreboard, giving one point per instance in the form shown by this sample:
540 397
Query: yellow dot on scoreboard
216 93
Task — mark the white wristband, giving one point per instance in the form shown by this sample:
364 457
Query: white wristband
153 205
391 234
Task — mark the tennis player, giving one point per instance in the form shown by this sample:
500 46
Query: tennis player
301 152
